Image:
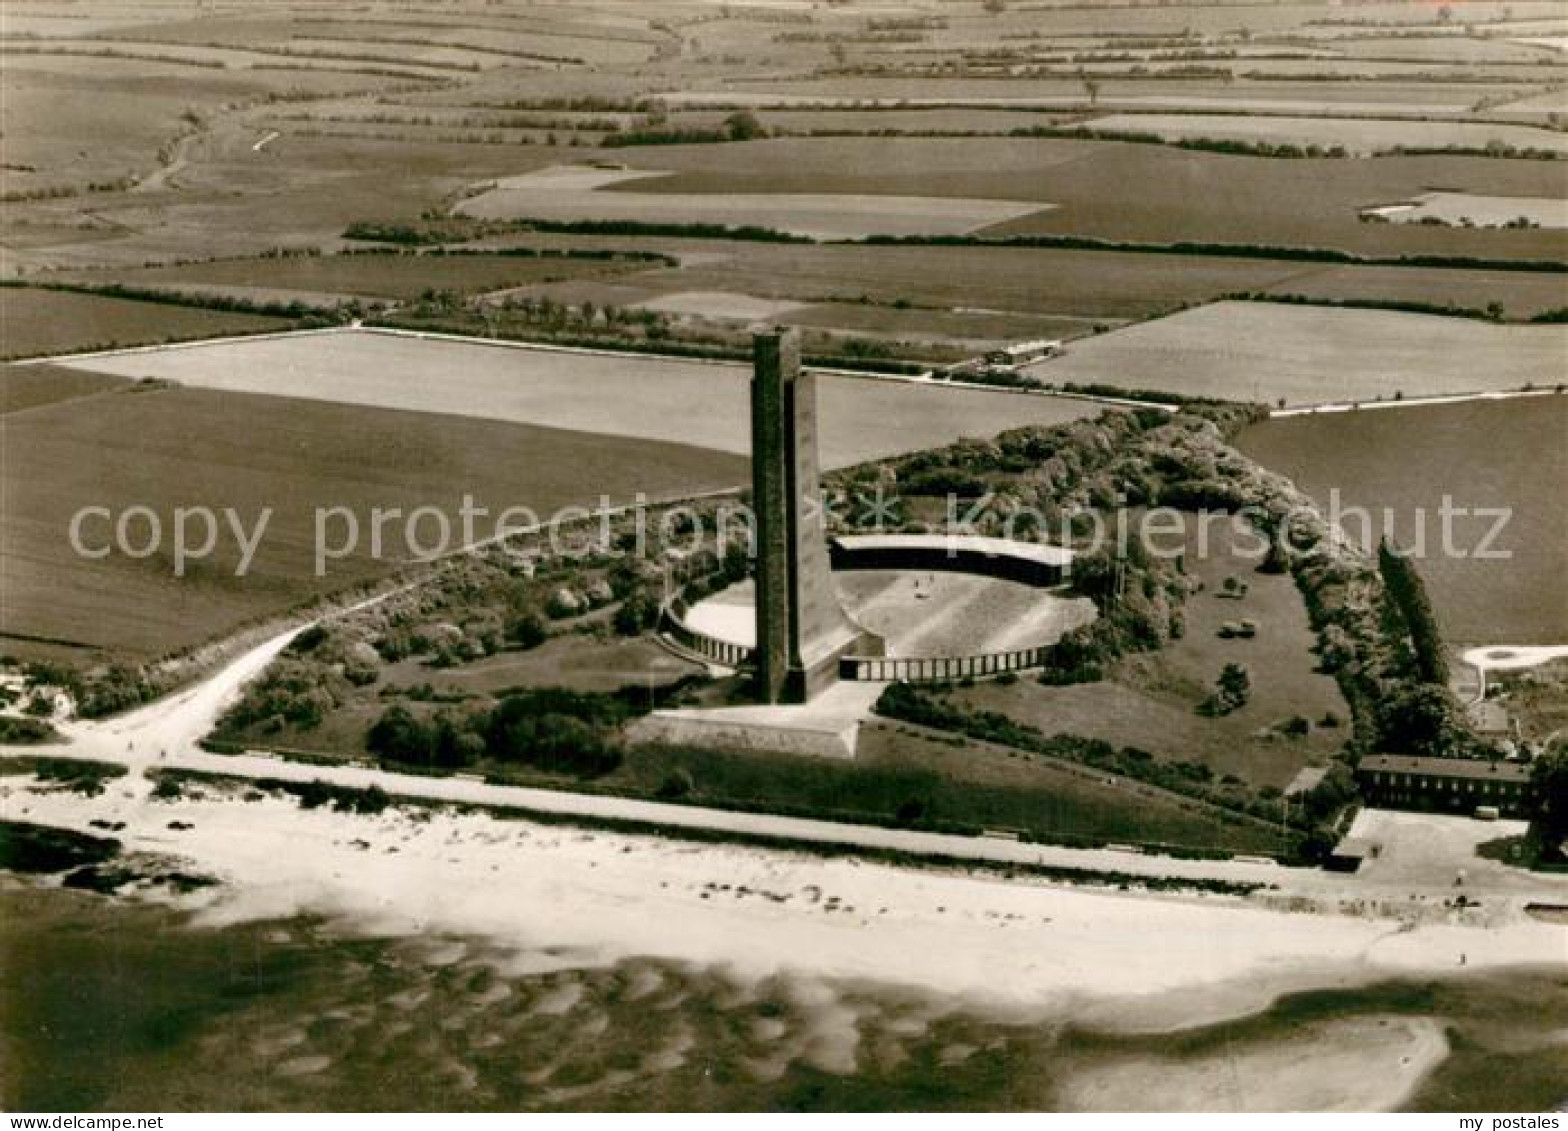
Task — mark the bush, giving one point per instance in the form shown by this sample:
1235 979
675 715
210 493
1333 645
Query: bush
526 629
449 740
1297 726
558 731
1231 691
24 732
676 784
637 614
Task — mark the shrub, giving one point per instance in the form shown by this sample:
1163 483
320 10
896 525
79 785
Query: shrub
24 732
1231 691
677 783
1297 726
637 614
526 628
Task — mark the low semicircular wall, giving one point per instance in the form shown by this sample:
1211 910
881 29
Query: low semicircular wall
1027 563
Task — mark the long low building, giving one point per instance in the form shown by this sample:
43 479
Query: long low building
1454 785
1029 562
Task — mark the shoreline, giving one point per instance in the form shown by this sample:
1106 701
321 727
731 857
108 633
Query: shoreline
1009 944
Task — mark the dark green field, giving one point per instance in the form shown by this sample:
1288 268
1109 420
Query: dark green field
173 447
35 322
1399 464
372 276
1145 193
32 386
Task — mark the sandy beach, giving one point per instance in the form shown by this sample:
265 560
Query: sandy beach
1114 960
575 897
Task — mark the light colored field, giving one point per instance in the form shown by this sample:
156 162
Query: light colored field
1481 211
968 327
719 304
954 614
1551 102
577 193
920 613
1555 42
643 397
1355 134
167 55
1310 355
1441 48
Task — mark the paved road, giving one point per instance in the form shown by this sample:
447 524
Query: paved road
165 735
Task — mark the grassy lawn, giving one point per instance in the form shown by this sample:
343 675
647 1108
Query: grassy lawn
1537 698
1151 700
900 776
581 663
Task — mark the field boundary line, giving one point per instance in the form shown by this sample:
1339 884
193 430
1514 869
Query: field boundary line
926 379
1411 402
226 339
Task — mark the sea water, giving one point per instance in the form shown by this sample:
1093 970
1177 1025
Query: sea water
108 1005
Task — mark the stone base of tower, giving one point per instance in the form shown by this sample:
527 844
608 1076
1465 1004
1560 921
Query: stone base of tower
806 680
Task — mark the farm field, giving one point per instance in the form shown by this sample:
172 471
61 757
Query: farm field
961 288
71 120
968 280
1521 294
578 193
1271 353
643 397
1100 188
905 323
964 327
1150 701
30 386
34 322
137 448
1286 97
1399 464
1357 135
1466 209
230 200
395 276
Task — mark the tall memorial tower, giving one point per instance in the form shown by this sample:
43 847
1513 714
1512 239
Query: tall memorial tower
801 629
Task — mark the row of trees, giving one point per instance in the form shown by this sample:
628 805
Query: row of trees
551 730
